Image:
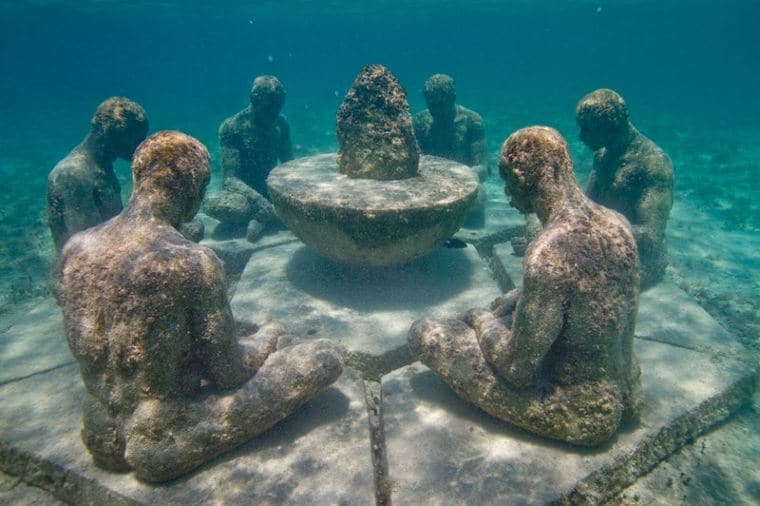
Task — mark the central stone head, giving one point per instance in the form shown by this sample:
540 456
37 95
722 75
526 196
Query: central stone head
374 129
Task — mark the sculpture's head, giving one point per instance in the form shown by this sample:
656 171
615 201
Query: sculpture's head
536 167
603 119
170 172
267 98
118 126
440 96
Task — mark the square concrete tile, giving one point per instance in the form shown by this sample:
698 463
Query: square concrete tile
669 315
32 340
319 455
367 310
442 450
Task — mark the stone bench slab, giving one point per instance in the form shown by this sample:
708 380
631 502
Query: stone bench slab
319 455
442 450
32 340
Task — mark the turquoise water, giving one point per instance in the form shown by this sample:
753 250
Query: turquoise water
688 70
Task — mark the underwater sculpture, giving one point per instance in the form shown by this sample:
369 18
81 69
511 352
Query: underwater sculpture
556 358
168 385
378 202
631 175
82 189
252 142
451 131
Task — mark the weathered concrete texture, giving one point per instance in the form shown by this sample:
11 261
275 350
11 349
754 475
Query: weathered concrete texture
32 340
371 222
366 309
14 492
443 450
669 315
319 455
717 468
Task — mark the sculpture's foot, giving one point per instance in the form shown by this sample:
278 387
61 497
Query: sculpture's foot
166 439
587 414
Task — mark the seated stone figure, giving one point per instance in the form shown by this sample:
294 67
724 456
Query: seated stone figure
556 358
168 385
252 143
630 175
451 131
82 189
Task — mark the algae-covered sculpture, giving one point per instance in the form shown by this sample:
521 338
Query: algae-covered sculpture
377 202
451 131
555 359
82 189
631 175
252 142
168 385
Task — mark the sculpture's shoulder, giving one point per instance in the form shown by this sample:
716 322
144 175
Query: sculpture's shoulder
582 242
231 128
614 234
473 119
88 254
545 259
72 171
422 121
651 161
178 260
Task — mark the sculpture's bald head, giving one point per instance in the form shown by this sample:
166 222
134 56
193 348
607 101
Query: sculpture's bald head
171 170
267 97
535 164
602 116
119 125
439 95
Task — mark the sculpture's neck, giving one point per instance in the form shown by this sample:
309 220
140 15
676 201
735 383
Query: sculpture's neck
558 200
154 207
96 148
444 114
620 144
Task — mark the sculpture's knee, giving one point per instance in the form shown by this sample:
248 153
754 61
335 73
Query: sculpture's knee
151 448
585 415
427 338
103 436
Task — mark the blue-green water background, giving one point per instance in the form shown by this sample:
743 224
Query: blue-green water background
689 71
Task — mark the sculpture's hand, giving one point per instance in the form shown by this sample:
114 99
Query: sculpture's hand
493 337
257 347
506 304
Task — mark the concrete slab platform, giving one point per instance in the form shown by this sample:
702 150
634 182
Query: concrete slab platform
368 310
32 340
442 450
319 455
668 314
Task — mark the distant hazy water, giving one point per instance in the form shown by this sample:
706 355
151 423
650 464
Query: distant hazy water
689 71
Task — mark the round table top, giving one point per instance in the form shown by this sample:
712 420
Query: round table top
315 181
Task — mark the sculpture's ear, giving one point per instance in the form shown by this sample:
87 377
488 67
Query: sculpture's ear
547 173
